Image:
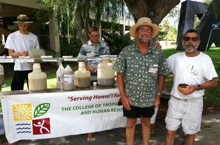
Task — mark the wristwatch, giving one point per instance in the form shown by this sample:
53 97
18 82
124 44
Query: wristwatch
199 87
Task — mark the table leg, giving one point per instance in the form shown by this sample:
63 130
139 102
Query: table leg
152 128
89 135
90 138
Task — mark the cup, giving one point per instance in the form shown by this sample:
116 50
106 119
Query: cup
94 84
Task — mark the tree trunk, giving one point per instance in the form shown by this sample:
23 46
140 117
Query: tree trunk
87 18
82 23
100 4
154 9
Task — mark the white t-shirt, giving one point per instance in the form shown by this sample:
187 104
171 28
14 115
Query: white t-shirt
192 71
19 42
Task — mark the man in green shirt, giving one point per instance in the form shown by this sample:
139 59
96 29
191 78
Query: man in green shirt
140 71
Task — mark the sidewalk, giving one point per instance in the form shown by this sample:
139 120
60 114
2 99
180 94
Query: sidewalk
209 135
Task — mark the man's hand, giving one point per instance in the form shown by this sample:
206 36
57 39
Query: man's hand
90 68
157 44
191 89
14 54
24 53
157 101
126 103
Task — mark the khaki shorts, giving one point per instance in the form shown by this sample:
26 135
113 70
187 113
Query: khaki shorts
185 112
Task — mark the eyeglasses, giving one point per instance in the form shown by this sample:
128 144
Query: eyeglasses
94 36
194 39
144 30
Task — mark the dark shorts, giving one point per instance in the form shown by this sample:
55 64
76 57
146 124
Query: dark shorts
137 112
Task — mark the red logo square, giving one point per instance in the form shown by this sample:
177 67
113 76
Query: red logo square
41 126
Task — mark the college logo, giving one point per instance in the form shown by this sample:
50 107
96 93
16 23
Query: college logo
29 121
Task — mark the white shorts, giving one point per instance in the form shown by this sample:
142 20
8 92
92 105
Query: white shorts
187 112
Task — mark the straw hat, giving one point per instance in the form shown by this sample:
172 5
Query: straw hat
22 19
144 21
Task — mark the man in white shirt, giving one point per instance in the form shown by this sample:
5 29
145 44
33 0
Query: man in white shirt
18 43
196 69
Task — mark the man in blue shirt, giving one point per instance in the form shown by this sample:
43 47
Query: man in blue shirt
93 49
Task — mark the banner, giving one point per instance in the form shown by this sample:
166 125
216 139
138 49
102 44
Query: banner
51 115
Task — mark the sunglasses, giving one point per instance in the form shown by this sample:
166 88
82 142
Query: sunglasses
194 39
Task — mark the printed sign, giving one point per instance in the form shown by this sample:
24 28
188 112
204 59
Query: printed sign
50 115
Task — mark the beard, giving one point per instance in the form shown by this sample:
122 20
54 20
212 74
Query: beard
190 47
143 39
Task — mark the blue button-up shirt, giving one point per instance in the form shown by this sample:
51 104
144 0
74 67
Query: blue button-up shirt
89 50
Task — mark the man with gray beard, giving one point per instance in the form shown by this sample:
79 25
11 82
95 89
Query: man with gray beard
195 69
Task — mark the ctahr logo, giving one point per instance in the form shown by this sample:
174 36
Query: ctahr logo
22 113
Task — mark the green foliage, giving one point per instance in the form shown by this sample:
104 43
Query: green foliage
75 16
172 34
213 94
214 54
215 9
170 51
117 42
168 33
112 9
196 21
63 12
70 48
161 35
